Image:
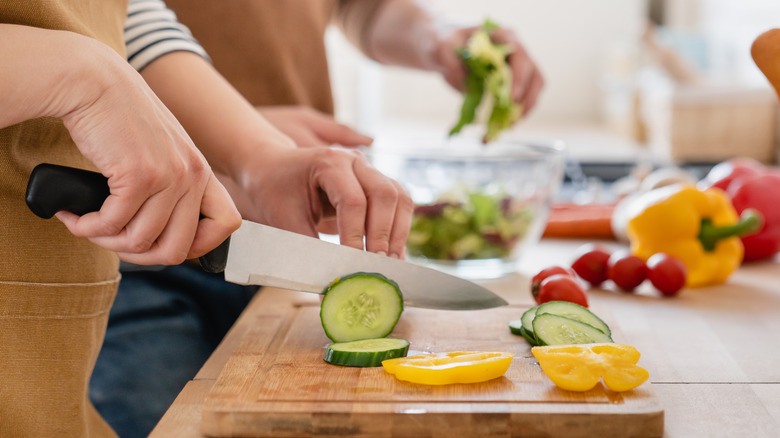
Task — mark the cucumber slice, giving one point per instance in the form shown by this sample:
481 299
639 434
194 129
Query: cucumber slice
552 329
362 305
528 337
516 326
523 326
576 312
366 352
528 319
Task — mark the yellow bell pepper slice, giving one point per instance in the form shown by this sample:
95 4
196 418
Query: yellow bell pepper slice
449 368
580 367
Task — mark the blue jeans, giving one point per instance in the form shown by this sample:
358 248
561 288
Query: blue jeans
163 326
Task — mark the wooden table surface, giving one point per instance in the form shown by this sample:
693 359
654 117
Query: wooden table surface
713 353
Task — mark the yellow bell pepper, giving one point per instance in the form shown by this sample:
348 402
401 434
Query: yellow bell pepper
699 227
448 368
580 367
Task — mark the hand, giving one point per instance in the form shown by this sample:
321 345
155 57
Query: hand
319 182
159 181
309 127
527 81
271 180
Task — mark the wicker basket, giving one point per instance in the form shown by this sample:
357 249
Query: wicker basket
710 124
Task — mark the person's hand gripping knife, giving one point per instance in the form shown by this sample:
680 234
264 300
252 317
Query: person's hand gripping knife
159 182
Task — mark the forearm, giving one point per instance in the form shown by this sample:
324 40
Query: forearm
225 126
49 73
152 31
401 32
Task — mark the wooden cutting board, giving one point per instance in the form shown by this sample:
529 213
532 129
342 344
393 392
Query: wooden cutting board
277 384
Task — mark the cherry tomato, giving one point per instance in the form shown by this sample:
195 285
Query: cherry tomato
560 287
591 264
626 270
536 281
667 273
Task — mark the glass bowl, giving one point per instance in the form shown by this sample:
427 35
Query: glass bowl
479 208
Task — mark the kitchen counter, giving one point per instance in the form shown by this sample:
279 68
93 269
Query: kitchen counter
713 353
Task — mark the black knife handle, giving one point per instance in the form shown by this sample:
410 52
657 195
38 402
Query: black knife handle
52 188
215 260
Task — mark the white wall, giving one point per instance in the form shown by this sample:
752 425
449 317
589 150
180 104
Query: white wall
731 26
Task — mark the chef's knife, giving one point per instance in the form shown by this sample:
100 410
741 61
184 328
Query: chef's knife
263 255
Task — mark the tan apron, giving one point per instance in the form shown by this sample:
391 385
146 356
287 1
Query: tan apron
55 289
273 52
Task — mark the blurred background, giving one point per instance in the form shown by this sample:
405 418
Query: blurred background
630 84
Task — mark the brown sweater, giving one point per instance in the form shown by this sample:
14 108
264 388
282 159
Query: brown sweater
273 51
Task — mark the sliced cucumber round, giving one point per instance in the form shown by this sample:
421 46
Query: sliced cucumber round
528 319
362 305
575 312
516 326
552 329
366 352
528 337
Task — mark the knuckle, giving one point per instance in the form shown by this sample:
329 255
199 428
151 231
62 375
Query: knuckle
177 170
386 192
176 258
173 256
380 238
358 155
144 180
329 159
199 168
109 228
405 202
354 201
140 245
329 155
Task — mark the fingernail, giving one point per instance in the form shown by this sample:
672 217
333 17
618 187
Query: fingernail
382 253
395 256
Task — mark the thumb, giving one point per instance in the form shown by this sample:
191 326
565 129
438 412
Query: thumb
220 219
332 132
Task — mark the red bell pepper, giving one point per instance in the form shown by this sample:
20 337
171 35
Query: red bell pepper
750 184
726 172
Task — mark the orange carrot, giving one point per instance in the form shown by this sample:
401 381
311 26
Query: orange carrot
580 221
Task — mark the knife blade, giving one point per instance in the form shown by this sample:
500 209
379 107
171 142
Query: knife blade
267 256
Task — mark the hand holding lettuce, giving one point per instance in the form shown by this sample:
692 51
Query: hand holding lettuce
487 71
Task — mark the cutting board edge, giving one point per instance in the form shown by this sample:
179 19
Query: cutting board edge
530 420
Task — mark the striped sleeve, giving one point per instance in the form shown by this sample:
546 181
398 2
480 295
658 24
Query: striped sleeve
152 30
